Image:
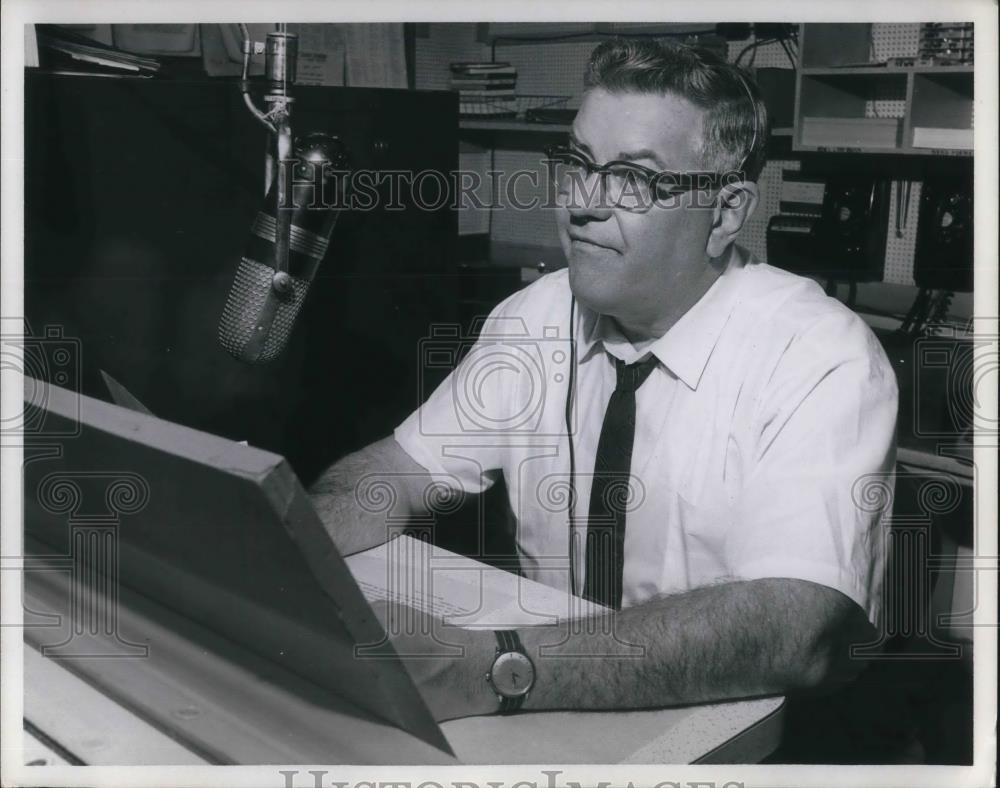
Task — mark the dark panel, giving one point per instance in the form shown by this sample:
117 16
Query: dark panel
139 196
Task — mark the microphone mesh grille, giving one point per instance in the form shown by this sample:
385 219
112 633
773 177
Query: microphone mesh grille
244 307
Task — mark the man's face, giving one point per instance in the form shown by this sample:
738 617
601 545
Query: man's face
635 265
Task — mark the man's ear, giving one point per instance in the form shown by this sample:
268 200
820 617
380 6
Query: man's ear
734 206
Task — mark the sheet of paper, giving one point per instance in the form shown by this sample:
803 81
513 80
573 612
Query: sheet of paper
322 53
461 591
467 593
375 56
321 68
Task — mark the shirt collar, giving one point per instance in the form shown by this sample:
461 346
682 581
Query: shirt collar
687 346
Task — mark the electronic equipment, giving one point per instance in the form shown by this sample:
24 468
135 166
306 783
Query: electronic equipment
834 227
944 254
947 44
790 242
549 115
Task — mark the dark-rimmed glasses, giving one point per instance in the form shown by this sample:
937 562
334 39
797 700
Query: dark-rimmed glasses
623 184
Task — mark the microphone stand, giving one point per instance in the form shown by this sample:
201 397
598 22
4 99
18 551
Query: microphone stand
280 57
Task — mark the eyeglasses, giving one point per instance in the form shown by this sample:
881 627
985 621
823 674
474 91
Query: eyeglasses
623 184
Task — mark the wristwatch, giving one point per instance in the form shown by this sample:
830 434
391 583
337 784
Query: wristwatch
512 674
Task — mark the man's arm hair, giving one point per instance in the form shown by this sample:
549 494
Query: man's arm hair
336 495
732 640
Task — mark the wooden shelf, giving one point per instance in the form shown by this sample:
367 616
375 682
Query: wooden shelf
468 124
829 87
898 151
508 124
845 71
851 71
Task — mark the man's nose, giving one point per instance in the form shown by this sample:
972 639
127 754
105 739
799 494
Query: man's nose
587 198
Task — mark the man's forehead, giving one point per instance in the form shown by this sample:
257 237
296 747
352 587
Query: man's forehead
612 123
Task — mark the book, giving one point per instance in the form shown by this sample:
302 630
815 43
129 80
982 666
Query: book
507 83
483 69
461 64
484 77
499 109
473 83
487 93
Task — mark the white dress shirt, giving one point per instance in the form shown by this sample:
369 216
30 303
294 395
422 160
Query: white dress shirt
760 435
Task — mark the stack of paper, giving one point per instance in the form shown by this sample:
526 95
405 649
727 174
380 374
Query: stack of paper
92 53
485 88
850 132
943 139
457 590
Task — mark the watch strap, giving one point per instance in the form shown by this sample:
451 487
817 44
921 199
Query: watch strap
508 640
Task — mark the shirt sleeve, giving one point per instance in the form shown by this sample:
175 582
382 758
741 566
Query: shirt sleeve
814 505
463 429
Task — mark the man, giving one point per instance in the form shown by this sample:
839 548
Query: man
740 405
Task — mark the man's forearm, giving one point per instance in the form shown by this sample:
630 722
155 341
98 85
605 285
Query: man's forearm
337 496
732 640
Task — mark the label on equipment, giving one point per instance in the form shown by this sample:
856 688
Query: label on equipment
810 192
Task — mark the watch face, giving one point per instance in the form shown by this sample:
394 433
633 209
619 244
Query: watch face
512 674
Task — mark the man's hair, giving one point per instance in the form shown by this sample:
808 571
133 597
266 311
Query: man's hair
727 93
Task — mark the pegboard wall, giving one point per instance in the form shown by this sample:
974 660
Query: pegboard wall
557 67
754 235
901 240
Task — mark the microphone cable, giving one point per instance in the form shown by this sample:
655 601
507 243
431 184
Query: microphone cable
570 401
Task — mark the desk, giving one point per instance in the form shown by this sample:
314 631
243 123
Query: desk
197 698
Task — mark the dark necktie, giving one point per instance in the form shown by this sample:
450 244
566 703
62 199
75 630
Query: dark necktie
609 493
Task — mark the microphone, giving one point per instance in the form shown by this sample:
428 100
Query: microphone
266 297
289 236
